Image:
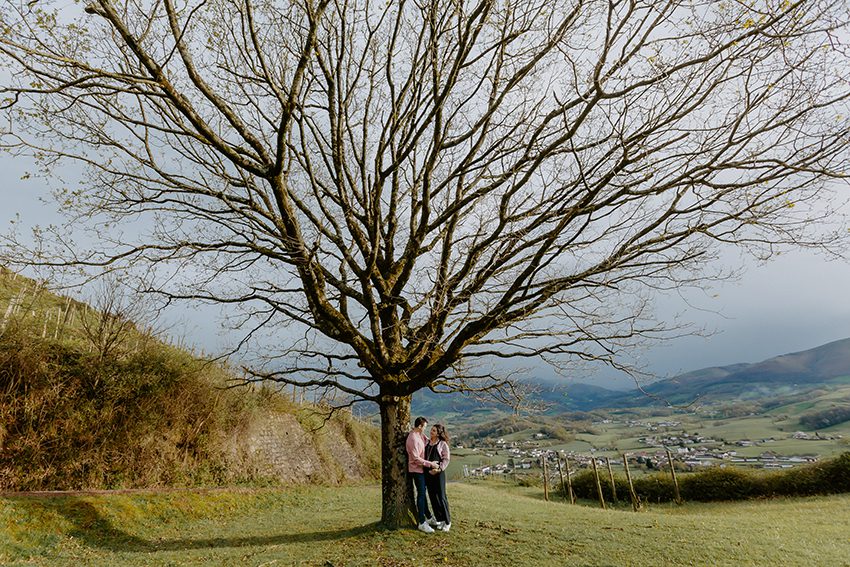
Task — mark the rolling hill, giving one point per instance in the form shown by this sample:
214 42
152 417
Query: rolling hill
781 375
788 375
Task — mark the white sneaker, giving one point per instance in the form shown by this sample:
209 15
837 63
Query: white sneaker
446 527
424 527
432 521
439 525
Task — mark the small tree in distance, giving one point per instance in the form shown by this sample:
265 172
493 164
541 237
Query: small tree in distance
422 190
116 318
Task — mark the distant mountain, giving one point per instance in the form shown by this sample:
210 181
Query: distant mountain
783 375
799 370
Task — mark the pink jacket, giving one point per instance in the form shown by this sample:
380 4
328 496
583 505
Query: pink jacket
443 451
415 446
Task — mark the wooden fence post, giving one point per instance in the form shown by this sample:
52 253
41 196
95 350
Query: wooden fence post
632 493
611 476
67 312
563 482
9 309
675 480
58 323
545 479
569 480
598 484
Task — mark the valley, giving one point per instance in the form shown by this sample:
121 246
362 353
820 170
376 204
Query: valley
695 440
786 411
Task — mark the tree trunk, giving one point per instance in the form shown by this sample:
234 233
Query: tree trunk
397 501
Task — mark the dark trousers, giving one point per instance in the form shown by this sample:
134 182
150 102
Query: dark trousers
421 502
436 484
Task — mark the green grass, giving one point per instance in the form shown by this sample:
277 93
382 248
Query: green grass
492 525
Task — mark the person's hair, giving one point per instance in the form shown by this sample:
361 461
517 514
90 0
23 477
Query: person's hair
419 421
442 434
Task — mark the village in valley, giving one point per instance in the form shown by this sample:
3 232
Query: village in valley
649 445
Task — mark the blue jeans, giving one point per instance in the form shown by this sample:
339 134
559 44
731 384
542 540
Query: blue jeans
421 502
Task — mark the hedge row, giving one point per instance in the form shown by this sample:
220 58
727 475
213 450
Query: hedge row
827 477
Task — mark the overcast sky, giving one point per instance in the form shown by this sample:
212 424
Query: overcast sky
795 302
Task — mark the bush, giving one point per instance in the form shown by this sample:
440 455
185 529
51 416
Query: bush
716 484
720 484
584 486
827 477
657 487
827 417
529 480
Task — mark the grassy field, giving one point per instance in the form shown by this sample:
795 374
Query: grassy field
493 524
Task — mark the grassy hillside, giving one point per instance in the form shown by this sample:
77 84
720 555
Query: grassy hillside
492 525
90 400
513 427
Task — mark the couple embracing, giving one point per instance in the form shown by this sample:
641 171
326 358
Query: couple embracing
427 459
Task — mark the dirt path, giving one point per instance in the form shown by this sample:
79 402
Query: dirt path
164 490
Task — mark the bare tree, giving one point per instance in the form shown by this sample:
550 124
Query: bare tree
117 316
423 189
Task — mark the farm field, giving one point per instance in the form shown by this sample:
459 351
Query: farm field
493 524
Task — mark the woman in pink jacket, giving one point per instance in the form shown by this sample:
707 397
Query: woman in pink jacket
437 450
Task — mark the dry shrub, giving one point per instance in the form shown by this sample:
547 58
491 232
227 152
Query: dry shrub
93 400
153 417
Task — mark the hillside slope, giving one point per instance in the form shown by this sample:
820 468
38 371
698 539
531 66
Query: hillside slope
81 412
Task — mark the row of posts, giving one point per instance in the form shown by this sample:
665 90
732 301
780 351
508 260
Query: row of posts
63 316
329 399
567 484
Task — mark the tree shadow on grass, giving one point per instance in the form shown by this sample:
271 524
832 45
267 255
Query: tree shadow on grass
93 529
